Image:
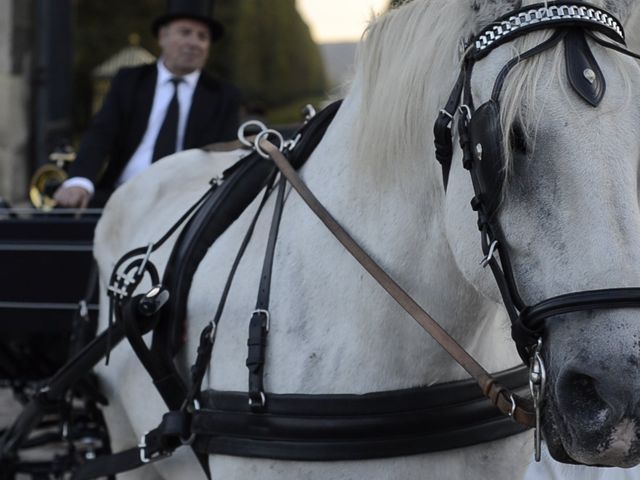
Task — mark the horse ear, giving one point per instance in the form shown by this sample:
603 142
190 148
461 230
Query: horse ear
487 11
621 8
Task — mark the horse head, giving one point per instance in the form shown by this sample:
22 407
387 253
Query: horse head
555 156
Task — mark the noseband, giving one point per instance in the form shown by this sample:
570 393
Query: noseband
482 144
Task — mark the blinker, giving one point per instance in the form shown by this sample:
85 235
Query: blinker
583 70
485 134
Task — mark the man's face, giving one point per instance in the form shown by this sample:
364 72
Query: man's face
185 45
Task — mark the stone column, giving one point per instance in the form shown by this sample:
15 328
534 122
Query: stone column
15 63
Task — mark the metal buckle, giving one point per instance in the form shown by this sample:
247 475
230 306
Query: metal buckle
193 407
292 143
266 313
308 112
214 330
142 447
255 404
512 411
83 309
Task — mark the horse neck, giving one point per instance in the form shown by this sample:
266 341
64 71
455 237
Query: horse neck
397 215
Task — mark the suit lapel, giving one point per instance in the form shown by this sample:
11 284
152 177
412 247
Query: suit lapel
144 93
203 106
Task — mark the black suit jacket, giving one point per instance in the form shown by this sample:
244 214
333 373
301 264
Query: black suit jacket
117 129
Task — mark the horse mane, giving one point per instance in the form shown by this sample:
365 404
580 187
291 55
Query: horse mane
407 65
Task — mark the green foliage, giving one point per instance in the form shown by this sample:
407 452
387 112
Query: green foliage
267 50
101 30
276 60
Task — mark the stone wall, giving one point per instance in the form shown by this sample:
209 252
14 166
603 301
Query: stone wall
15 61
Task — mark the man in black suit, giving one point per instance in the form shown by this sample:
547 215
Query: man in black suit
155 110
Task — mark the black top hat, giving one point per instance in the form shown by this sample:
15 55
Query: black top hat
199 10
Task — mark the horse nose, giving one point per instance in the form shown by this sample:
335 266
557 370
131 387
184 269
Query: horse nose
593 398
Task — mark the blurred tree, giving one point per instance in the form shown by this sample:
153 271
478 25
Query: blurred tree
267 50
275 59
101 30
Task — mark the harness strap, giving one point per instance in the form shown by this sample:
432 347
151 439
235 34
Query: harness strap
208 335
260 319
240 186
209 218
508 403
442 130
161 442
154 445
334 427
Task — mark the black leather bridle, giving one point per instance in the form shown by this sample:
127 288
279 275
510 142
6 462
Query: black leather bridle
481 141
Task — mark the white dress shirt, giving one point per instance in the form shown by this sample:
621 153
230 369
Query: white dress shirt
141 158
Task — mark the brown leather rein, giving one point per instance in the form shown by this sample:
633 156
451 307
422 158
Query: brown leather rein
518 408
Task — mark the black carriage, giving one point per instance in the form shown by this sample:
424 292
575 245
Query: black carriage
48 294
48 312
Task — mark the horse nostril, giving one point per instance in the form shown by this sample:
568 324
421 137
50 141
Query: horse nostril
581 402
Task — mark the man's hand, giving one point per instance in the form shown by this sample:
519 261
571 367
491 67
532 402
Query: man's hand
72 197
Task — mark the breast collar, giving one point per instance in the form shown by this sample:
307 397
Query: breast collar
320 427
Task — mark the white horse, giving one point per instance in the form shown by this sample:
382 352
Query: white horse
570 214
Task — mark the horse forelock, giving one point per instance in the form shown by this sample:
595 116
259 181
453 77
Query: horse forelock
407 64
521 103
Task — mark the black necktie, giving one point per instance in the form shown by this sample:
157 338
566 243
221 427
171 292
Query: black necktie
166 143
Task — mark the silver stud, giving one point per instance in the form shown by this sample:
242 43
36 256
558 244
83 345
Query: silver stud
590 75
479 152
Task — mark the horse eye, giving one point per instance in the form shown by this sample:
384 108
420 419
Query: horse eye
518 139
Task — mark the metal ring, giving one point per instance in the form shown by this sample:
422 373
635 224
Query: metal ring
250 123
265 135
485 261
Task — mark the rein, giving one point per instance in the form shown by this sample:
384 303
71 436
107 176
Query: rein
508 403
